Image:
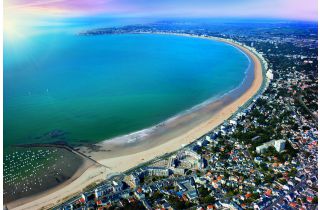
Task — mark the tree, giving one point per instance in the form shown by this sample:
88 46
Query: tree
268 178
257 181
315 200
208 199
188 172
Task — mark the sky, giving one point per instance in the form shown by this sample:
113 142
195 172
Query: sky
278 9
24 15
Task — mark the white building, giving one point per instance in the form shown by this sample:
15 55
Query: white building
269 74
279 145
192 154
97 193
262 148
209 139
178 171
157 171
233 122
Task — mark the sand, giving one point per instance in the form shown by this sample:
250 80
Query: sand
119 156
56 172
72 187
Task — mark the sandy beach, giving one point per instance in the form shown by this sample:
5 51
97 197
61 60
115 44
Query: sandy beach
123 153
84 172
85 176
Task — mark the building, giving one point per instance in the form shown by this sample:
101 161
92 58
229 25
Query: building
132 181
226 204
258 160
83 198
97 193
192 154
157 171
179 171
262 148
192 195
209 139
269 74
146 204
279 145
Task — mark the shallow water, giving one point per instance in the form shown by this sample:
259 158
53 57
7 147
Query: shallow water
91 88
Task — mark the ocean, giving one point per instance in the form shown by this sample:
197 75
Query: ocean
85 89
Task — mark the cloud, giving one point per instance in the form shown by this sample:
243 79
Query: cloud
290 9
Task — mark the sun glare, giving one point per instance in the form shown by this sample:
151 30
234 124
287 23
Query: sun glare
16 27
11 29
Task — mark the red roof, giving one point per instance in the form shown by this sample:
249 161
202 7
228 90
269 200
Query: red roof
210 207
248 195
268 192
293 204
309 199
82 200
184 197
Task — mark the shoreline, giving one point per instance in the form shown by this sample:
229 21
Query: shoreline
122 156
179 130
85 176
139 136
37 200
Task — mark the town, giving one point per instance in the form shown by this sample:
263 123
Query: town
263 157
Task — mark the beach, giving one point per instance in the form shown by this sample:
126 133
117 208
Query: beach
60 179
122 153
50 198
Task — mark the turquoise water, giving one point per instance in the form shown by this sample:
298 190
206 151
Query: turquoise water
91 88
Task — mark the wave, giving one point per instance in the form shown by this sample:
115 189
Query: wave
140 135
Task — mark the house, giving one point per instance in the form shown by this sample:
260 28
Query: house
132 181
117 186
210 207
97 193
83 199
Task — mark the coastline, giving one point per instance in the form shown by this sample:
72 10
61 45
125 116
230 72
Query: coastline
85 176
123 155
142 135
49 197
